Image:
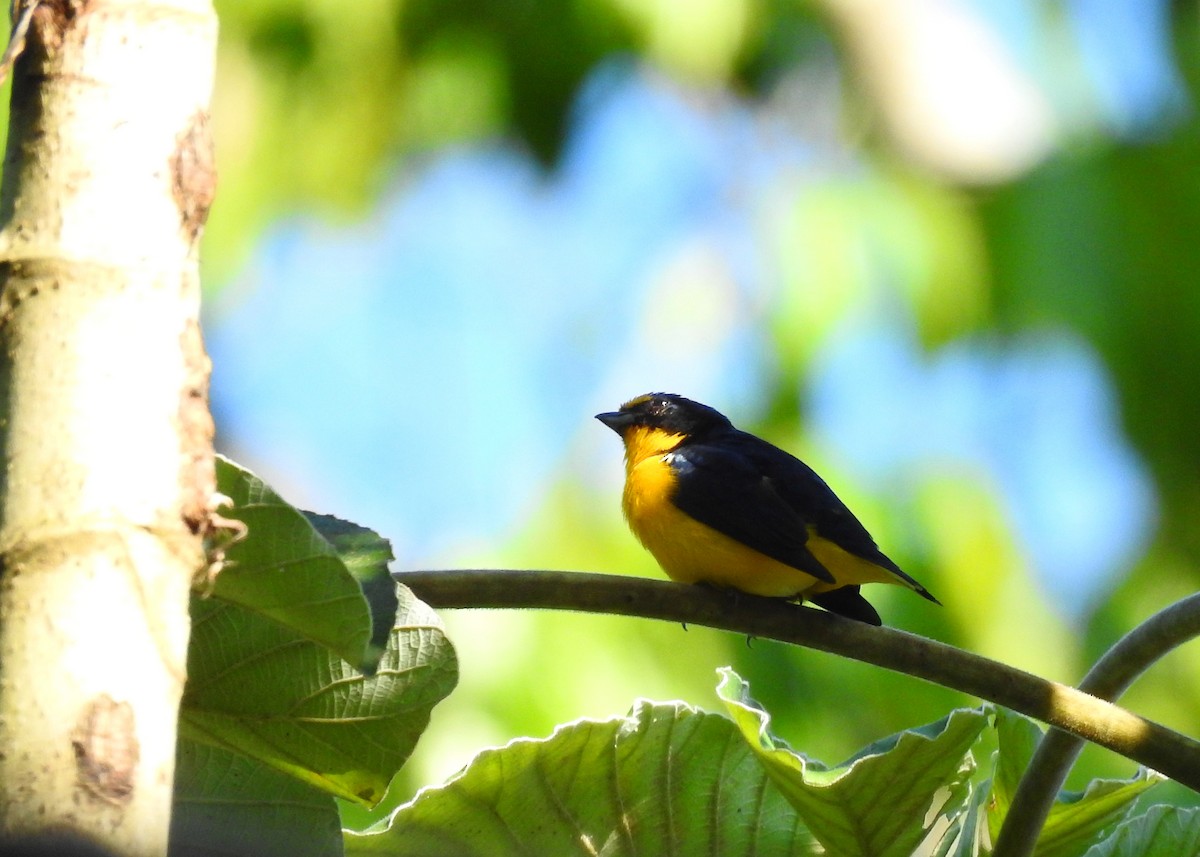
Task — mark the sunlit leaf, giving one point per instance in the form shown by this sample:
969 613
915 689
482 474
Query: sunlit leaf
965 833
667 779
882 801
1077 819
1164 831
1017 739
261 689
284 570
1080 819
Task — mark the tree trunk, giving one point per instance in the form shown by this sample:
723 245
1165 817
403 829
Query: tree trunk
104 423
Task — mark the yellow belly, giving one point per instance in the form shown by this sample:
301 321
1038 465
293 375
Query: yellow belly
691 552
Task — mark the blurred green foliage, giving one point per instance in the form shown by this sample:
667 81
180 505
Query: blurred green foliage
320 103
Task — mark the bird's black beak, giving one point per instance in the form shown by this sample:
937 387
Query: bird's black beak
616 420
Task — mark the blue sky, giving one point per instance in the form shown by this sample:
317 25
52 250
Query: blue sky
426 371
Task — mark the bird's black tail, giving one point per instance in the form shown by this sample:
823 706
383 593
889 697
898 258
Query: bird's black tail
846 601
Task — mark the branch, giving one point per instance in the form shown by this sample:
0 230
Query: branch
1071 710
1121 665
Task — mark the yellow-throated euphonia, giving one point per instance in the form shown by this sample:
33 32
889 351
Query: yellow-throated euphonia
721 506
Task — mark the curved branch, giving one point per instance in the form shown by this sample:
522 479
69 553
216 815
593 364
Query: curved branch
1074 711
1121 665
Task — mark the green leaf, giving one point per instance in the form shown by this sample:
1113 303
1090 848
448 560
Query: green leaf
883 801
1077 819
226 803
1164 831
668 779
966 831
1017 738
285 570
263 689
366 556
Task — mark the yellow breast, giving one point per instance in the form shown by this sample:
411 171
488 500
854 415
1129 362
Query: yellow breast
691 552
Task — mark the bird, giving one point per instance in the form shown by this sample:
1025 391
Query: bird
719 506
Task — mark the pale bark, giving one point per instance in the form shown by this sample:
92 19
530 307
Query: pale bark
106 436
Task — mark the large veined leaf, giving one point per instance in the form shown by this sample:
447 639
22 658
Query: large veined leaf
226 803
665 780
260 688
284 570
1077 819
281 640
965 833
1163 831
883 801
1017 739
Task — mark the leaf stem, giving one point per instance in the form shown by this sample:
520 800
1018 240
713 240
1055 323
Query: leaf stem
1066 708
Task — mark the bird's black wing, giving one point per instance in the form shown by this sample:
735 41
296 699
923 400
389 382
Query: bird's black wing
723 488
813 500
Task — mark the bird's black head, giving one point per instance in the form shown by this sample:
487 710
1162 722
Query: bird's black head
667 412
